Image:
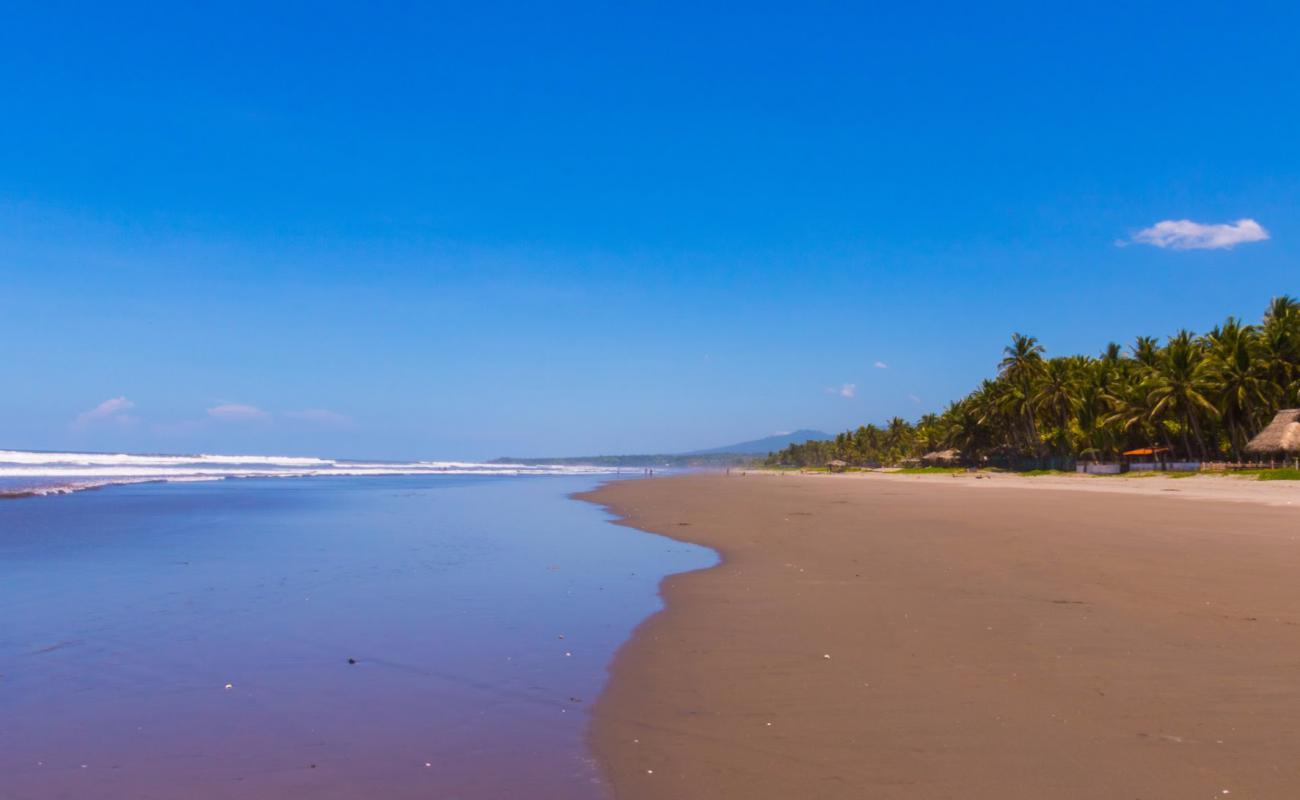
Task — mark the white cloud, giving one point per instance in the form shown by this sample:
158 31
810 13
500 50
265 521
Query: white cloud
881 365
849 390
914 398
320 416
111 411
238 412
1183 234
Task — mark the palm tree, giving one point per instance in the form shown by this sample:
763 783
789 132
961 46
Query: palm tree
1146 351
965 430
1021 365
1131 415
1280 308
1177 387
997 408
1236 378
929 433
1094 405
1200 396
898 436
1056 397
1280 340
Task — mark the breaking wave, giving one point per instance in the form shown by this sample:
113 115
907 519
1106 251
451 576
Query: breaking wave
25 473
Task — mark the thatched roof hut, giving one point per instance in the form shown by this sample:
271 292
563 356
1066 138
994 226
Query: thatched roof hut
942 458
1281 437
837 465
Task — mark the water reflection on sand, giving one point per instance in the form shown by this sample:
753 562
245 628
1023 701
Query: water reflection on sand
332 637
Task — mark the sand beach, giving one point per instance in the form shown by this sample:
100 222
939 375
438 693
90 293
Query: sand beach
938 637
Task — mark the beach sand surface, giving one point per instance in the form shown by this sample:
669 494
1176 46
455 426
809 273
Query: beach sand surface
896 638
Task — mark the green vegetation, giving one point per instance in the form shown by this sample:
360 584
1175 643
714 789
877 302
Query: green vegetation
1287 474
928 471
1199 397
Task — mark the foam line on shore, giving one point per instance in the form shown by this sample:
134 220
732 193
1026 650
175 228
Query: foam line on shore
32 473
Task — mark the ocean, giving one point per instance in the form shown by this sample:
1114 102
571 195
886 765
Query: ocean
327 636
28 472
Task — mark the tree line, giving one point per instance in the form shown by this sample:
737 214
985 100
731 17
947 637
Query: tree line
1193 397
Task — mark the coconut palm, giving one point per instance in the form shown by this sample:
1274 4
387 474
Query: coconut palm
1021 366
1280 340
929 432
966 431
1199 396
1057 400
1146 350
1131 414
1236 376
898 438
1177 388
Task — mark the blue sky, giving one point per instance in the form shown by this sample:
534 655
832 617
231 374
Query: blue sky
397 230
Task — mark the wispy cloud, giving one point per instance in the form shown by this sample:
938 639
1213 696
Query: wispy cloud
1183 234
110 412
238 412
881 365
320 416
846 390
914 398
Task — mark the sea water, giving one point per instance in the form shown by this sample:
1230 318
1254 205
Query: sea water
25 473
385 636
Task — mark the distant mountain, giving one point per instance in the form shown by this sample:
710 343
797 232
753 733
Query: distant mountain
727 455
768 444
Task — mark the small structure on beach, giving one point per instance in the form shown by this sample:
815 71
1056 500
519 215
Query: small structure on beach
1281 438
837 465
942 458
1146 459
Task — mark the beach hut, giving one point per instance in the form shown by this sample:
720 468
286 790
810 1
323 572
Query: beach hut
837 465
942 458
1281 438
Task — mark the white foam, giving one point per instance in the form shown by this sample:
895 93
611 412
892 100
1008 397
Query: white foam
89 459
60 473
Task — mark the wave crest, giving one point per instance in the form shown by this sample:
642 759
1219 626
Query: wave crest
25 473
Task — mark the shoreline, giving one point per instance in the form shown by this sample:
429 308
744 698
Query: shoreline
901 639
437 636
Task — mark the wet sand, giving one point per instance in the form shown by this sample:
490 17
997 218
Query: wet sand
917 639
330 638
